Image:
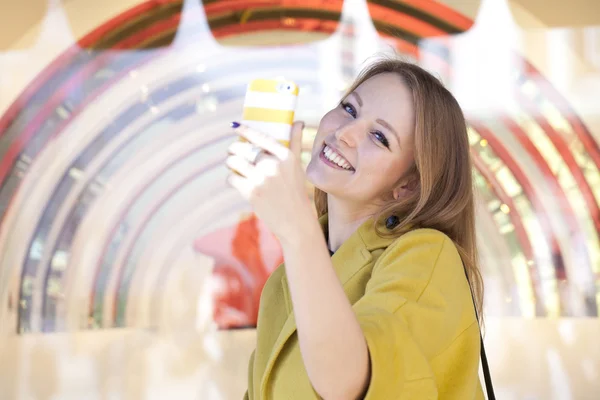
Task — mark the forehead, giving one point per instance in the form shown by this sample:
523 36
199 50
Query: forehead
383 88
387 97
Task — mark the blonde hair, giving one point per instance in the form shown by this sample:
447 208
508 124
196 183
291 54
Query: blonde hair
443 198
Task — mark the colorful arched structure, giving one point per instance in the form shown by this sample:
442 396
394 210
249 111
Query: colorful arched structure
548 239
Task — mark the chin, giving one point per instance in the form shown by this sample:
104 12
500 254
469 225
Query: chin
325 185
322 178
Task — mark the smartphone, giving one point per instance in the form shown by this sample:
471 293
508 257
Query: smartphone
269 107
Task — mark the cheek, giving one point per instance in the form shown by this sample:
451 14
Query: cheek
383 173
329 123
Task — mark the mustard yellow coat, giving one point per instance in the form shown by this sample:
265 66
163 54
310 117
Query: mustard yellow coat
412 300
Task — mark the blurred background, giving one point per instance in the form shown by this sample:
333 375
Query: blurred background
129 269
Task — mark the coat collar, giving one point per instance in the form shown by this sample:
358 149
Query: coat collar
352 255
365 235
355 252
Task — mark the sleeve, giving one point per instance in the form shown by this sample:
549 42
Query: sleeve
410 312
249 395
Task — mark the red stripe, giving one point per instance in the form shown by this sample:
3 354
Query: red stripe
514 215
17 146
57 64
503 153
34 86
230 6
516 220
406 22
156 29
552 95
563 149
538 206
304 24
527 187
126 17
402 45
90 99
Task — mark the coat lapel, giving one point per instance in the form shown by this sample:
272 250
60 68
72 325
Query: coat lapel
354 254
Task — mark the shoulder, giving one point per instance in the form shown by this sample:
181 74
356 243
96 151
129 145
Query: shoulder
423 247
426 261
420 283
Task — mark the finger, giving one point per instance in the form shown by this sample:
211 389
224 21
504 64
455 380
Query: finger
245 150
241 184
263 141
240 148
296 138
241 166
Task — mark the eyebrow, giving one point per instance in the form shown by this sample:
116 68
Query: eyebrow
360 102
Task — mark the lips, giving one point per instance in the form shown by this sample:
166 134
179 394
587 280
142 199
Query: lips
333 157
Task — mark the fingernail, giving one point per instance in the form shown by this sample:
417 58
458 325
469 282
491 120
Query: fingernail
235 124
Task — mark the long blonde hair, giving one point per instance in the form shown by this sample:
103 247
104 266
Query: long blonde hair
443 198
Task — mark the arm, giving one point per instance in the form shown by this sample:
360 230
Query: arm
331 341
275 186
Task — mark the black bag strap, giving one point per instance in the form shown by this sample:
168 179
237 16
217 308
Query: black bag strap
489 387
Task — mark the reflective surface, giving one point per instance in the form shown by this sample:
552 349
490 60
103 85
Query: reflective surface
134 364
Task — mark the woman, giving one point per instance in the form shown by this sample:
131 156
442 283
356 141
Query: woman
374 300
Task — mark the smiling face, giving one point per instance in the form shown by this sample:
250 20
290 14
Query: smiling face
364 147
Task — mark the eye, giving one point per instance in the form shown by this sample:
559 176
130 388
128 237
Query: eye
349 108
380 137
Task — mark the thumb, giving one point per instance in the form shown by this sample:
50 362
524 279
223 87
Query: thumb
296 138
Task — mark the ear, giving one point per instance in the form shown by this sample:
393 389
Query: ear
404 188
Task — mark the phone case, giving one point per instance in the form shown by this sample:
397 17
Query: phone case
269 107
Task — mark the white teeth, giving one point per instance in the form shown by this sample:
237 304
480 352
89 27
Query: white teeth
335 158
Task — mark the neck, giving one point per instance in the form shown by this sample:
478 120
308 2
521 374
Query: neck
343 220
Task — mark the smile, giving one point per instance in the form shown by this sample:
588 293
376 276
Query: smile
335 159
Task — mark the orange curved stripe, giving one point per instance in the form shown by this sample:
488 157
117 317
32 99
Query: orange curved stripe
406 22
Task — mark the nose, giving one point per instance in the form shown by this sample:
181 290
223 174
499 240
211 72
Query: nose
349 133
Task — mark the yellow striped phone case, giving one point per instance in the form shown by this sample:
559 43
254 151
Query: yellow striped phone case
269 107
